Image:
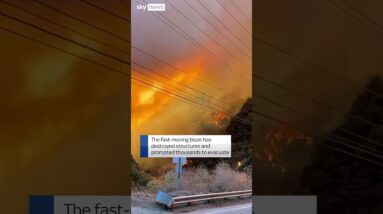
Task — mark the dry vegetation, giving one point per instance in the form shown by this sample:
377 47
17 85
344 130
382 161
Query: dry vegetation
201 180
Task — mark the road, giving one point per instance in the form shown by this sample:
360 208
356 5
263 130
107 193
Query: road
236 209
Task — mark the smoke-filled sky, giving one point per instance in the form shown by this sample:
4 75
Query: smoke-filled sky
207 48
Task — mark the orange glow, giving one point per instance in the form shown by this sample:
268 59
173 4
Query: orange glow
150 101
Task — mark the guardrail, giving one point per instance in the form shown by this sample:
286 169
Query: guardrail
169 201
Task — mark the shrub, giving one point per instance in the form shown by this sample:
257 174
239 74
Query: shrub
201 180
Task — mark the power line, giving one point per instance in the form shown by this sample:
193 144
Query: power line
66 39
167 84
193 98
267 99
99 64
355 10
182 85
64 51
217 29
178 83
316 101
326 137
62 37
334 136
181 70
207 35
105 10
191 40
362 14
81 21
242 121
68 28
323 144
177 95
243 12
81 34
185 35
317 68
172 66
65 27
234 17
227 28
337 139
149 87
87 59
192 101
190 87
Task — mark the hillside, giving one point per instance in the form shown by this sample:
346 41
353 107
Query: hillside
138 174
240 130
344 182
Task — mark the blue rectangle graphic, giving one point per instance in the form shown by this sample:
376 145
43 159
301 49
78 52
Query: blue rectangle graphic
144 146
41 205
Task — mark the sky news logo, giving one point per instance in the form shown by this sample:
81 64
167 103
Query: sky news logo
151 7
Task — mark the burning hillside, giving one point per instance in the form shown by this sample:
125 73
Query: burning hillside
280 142
240 128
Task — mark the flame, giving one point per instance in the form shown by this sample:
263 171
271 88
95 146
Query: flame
188 161
218 119
279 140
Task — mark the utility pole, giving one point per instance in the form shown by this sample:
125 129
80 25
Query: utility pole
179 162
